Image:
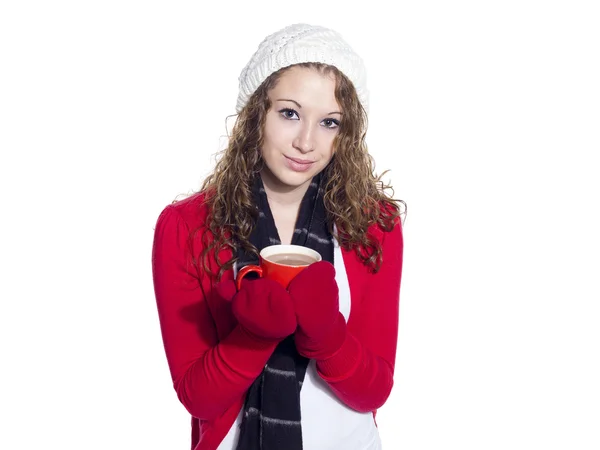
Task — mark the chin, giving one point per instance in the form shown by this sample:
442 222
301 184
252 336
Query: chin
293 179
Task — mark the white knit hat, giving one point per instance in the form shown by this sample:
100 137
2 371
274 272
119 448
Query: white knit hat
297 44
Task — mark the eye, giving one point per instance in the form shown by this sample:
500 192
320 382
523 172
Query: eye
331 123
289 114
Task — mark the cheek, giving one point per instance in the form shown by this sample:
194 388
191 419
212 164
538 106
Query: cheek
277 133
328 145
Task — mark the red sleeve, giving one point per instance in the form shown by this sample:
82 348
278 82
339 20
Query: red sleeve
361 372
209 376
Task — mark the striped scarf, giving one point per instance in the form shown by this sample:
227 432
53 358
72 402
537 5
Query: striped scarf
272 416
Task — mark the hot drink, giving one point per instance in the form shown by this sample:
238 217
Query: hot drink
280 263
292 259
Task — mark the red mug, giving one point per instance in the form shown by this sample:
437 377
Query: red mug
280 263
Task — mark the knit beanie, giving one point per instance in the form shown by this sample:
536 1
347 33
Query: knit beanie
300 43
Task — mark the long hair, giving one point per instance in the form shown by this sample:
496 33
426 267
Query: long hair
355 198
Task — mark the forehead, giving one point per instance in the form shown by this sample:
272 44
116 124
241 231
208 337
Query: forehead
306 86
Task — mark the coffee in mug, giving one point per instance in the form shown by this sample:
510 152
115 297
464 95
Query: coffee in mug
292 259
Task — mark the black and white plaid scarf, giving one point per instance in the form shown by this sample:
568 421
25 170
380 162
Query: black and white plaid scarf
272 416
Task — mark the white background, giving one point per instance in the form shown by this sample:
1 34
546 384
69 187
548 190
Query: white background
487 114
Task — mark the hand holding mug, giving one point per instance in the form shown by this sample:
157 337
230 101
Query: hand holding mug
321 326
315 296
264 308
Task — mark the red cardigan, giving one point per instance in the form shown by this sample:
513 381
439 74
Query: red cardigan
213 362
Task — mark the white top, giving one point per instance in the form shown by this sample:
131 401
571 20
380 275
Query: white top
327 423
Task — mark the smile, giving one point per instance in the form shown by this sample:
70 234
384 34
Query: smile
298 165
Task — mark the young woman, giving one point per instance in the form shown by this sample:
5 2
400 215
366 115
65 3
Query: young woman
308 366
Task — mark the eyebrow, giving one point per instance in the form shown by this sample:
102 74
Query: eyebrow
300 106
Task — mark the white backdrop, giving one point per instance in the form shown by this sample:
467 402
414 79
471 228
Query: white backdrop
487 114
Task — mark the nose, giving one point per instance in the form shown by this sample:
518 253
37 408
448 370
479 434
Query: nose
304 140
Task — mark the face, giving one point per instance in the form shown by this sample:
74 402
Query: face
300 128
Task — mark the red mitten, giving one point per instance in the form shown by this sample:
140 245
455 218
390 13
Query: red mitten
225 290
321 326
264 308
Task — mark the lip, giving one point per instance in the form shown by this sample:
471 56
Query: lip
298 165
300 161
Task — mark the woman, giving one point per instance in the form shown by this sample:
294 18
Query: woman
265 367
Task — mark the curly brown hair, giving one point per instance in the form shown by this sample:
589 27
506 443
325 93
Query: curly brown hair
355 198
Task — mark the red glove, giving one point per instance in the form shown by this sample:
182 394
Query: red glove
321 326
264 308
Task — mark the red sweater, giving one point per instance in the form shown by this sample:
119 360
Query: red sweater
213 361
